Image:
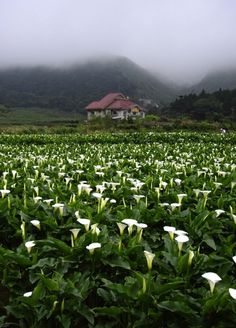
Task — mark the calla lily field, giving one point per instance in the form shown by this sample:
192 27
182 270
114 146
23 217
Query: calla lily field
118 230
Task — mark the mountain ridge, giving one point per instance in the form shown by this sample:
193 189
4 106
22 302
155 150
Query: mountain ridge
73 87
215 80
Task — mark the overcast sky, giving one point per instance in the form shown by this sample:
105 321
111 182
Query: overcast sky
181 39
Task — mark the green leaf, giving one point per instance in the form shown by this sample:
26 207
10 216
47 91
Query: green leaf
51 284
65 320
86 312
47 261
176 306
22 260
117 262
166 288
110 311
59 244
210 242
107 295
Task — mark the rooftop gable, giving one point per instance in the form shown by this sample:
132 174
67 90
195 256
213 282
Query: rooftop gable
93 105
122 104
105 101
109 99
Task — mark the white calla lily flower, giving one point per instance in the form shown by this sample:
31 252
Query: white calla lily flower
181 239
170 231
48 201
130 223
212 279
138 197
85 223
180 232
219 212
29 245
37 199
232 292
28 294
93 246
4 192
180 197
141 226
35 223
75 232
174 206
59 206
74 235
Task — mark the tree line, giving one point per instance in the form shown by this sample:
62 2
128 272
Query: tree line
214 106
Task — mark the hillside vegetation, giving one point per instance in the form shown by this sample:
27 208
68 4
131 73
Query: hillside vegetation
72 88
216 106
221 79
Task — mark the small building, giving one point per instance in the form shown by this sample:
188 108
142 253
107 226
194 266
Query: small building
116 106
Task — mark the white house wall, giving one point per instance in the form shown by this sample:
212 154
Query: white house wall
119 114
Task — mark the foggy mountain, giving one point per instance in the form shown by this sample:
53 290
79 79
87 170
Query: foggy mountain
73 87
220 79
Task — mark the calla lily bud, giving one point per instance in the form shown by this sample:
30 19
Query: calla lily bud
95 230
190 257
149 257
121 227
22 226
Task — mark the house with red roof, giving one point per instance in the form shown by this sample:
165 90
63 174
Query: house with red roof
116 106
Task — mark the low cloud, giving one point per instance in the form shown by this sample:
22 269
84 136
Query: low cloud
181 40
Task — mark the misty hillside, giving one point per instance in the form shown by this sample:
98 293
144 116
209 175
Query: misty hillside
216 80
72 88
216 106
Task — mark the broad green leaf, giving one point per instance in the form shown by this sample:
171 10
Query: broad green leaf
51 284
176 306
117 262
109 311
210 242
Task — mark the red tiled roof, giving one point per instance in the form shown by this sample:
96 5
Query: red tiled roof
116 101
122 104
109 99
105 101
93 105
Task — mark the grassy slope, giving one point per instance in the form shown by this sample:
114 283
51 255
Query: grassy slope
36 116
